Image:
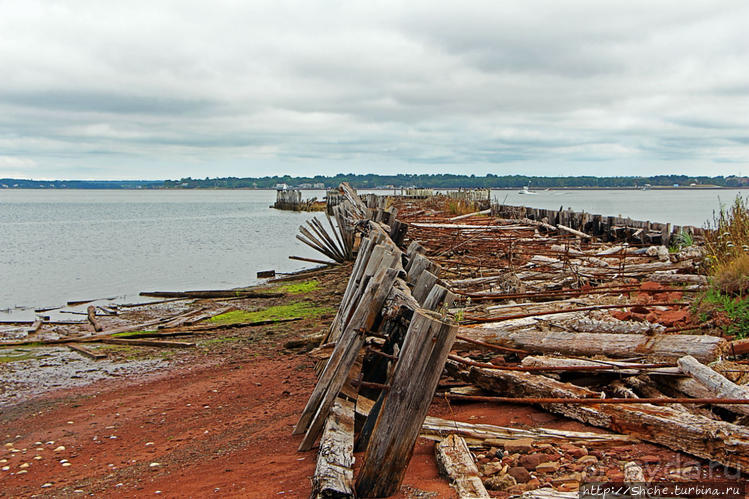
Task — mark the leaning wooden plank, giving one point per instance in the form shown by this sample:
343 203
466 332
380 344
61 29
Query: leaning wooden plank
343 357
702 347
417 372
334 474
717 385
87 351
456 463
725 443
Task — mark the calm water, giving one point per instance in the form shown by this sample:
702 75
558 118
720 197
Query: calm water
679 207
57 246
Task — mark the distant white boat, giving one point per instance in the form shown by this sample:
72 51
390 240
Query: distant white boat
526 190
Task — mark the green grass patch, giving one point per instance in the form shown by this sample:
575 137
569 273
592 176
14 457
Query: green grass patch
731 313
278 312
298 288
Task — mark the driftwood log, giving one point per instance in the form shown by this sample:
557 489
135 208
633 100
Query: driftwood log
725 443
716 385
456 463
334 474
703 347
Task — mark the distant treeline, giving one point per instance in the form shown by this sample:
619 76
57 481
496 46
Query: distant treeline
372 181
14 183
447 181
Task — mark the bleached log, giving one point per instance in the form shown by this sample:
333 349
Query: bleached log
717 385
574 232
468 215
588 325
334 474
454 461
725 443
703 347
669 278
616 367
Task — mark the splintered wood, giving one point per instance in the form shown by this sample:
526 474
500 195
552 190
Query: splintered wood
585 316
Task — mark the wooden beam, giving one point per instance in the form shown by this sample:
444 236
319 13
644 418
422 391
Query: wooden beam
414 380
334 474
456 463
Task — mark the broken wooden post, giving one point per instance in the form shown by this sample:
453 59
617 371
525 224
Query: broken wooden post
414 380
456 463
343 357
334 474
91 313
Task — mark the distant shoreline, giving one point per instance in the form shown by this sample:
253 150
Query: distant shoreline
581 188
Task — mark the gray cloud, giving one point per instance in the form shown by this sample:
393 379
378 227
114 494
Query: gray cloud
170 89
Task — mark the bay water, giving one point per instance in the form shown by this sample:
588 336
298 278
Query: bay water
62 245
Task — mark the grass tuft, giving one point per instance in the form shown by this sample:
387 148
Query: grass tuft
297 309
298 288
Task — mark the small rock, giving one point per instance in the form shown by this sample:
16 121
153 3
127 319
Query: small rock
5 468
574 451
615 476
533 483
530 461
65 465
520 474
500 482
649 459
46 485
37 457
154 465
521 445
24 465
2 461
9 445
21 472
548 467
60 448
588 460
491 468
149 443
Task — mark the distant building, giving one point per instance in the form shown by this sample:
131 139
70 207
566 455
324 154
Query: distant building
318 185
282 187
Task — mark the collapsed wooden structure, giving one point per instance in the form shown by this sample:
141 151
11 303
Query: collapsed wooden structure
548 303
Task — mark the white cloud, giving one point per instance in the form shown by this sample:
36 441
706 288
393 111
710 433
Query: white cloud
170 89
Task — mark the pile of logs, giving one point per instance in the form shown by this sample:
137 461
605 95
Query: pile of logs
513 311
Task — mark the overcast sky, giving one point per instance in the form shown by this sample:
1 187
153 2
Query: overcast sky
157 89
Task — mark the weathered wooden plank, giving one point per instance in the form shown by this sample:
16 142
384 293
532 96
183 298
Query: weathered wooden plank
725 443
717 385
456 463
343 357
334 474
415 377
703 347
